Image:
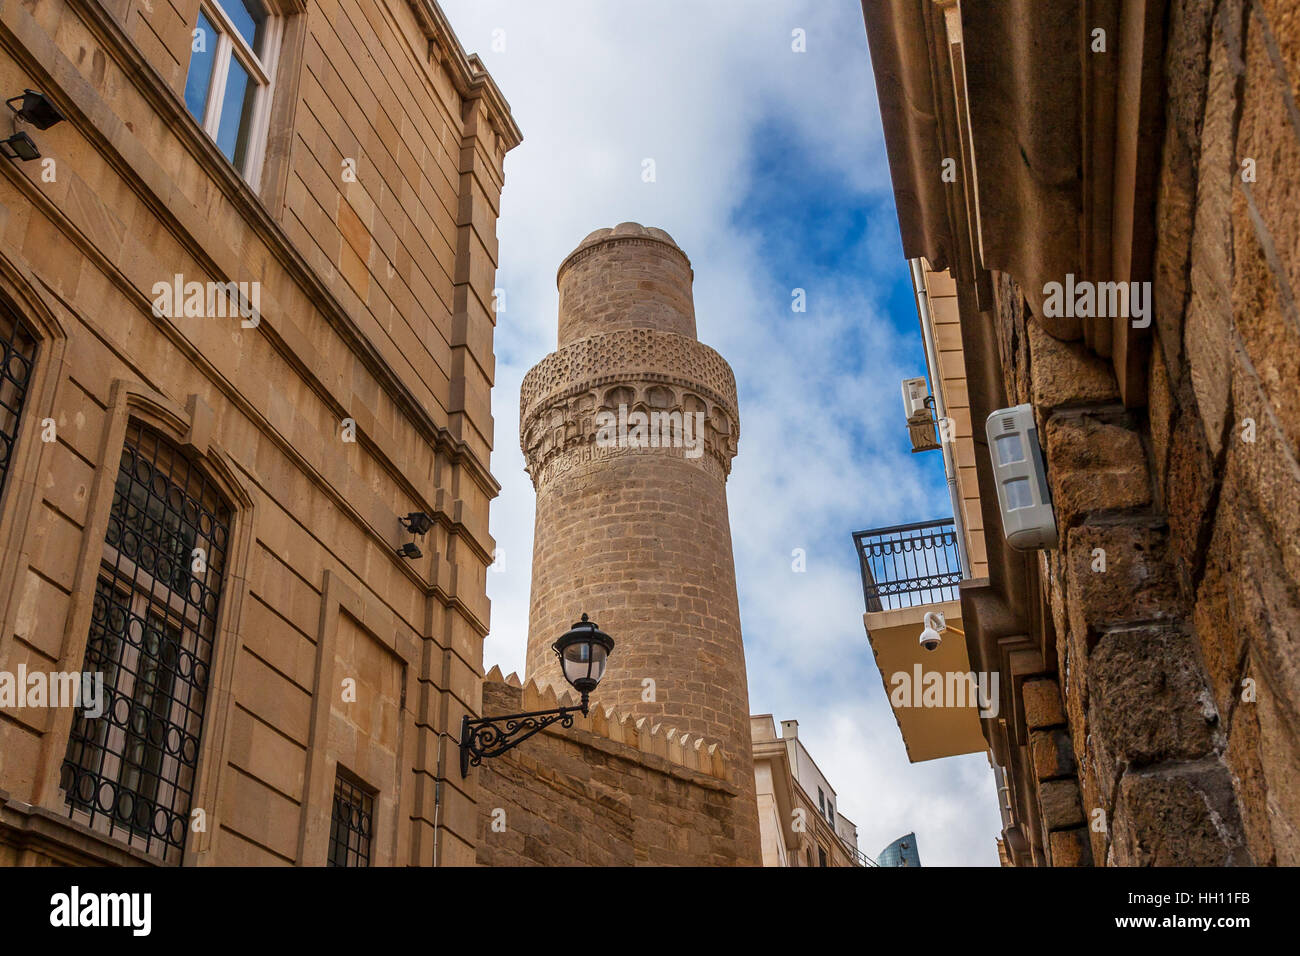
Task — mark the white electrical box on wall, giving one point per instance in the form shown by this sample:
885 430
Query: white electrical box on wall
915 392
1021 478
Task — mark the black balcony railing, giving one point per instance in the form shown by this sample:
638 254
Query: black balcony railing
909 564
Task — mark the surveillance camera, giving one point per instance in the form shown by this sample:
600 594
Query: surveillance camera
931 639
930 636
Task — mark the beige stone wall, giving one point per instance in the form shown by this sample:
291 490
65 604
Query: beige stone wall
375 307
638 281
613 790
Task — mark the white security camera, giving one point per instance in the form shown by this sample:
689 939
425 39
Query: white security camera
934 624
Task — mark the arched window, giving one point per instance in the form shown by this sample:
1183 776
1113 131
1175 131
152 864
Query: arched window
130 772
19 357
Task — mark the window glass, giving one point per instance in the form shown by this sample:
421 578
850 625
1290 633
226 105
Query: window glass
351 823
129 771
19 355
199 80
236 107
249 19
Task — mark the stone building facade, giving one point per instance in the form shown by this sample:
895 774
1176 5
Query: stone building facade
1149 665
628 430
798 816
203 504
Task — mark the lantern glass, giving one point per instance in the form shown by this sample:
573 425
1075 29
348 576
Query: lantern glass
583 652
584 663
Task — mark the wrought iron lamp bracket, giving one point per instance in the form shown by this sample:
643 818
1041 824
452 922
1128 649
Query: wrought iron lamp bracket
482 737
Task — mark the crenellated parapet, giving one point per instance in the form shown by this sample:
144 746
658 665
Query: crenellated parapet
629 736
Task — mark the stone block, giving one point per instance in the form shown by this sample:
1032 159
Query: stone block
1066 373
1148 699
1069 847
1053 754
1060 804
1042 699
1138 583
1178 815
1094 465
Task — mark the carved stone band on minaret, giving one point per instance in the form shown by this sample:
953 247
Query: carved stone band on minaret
662 375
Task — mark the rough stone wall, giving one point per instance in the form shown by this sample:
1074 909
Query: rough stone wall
638 537
610 791
1176 708
1225 385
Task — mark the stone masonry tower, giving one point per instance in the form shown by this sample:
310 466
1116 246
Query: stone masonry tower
632 523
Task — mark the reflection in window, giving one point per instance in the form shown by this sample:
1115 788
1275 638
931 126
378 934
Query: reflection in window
231 74
1018 494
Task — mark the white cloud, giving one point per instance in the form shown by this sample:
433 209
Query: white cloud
598 87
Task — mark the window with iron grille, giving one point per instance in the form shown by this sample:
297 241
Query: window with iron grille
19 357
351 823
130 772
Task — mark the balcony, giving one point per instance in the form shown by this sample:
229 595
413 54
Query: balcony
907 570
909 565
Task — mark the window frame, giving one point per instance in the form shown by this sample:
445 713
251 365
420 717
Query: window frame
261 74
14 396
362 799
145 597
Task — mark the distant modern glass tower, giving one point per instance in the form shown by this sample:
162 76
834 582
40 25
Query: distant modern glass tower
902 852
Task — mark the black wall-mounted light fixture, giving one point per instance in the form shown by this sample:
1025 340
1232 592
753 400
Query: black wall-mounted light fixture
20 146
583 651
35 109
417 522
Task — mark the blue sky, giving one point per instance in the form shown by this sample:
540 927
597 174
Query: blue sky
771 174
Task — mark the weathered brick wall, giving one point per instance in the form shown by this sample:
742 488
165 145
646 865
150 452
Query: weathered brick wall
610 791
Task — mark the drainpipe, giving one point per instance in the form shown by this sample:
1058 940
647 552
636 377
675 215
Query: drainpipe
1004 795
940 410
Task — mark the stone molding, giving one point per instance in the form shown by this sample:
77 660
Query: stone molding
587 249
644 369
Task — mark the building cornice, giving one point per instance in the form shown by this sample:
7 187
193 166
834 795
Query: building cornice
468 74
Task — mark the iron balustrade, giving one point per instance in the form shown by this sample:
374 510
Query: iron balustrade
908 565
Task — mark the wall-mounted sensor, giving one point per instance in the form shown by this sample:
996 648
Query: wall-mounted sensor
915 392
1027 519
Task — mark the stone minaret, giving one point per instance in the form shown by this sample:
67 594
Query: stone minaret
637 537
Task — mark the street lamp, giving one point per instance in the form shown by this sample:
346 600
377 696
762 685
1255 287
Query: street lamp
583 651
